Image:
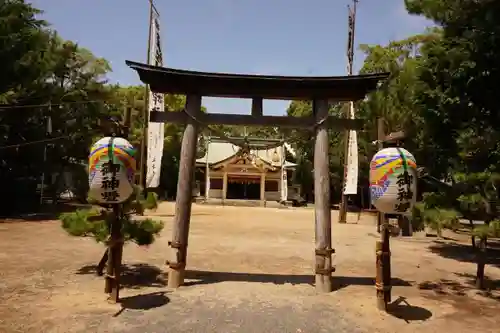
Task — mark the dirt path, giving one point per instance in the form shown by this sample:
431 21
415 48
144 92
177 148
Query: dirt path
250 271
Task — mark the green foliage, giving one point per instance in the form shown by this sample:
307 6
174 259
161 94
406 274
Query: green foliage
472 204
417 219
435 212
94 223
45 76
433 200
304 147
487 230
77 223
91 223
138 203
142 232
438 219
151 201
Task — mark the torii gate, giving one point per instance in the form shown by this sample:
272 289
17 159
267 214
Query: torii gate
195 85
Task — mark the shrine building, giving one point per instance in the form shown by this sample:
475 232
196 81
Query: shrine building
259 172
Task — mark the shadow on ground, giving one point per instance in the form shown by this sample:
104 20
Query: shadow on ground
465 252
152 213
403 310
47 213
464 284
339 282
134 276
143 302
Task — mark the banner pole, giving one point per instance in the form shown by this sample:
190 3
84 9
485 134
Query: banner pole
142 172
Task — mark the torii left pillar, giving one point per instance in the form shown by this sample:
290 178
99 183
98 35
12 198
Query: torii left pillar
182 219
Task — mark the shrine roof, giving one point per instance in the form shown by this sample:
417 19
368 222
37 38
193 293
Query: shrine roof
220 151
177 81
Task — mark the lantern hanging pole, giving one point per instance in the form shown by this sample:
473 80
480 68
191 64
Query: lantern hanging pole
382 246
380 146
115 243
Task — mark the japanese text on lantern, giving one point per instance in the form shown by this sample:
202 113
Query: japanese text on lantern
405 194
109 182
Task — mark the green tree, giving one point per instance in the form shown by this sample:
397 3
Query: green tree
96 223
456 99
304 146
23 54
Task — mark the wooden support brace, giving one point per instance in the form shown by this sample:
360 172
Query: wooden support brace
176 265
324 271
324 252
176 245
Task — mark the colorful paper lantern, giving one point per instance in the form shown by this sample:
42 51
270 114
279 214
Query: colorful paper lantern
393 181
112 170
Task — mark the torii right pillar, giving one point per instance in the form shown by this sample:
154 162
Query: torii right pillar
322 213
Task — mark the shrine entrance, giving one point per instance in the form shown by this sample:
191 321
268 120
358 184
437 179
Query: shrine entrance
247 188
320 90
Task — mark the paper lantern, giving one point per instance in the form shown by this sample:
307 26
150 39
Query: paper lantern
393 181
112 170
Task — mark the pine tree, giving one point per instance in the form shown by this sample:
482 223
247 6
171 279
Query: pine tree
95 223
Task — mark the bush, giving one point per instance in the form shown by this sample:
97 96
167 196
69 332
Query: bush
78 224
142 232
94 222
487 230
416 219
91 223
436 219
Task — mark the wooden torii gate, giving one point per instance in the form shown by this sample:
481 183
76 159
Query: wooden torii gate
195 85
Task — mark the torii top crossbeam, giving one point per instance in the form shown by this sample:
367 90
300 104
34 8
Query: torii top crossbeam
176 81
256 87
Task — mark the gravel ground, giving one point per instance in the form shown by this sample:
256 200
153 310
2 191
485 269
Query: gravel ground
250 271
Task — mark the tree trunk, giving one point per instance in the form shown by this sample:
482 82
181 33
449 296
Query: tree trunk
439 232
405 226
473 238
481 263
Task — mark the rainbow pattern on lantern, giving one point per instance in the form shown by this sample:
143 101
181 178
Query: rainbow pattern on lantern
119 150
385 166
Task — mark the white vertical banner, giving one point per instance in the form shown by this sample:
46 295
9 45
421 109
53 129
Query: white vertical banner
351 178
284 180
156 131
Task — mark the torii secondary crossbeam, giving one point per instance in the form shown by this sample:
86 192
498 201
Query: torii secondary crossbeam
195 85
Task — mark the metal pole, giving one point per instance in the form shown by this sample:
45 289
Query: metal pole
43 173
142 174
48 131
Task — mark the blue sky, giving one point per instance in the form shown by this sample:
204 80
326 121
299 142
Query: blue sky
280 37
